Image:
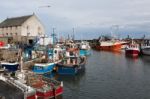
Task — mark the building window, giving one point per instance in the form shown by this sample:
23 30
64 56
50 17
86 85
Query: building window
39 28
27 27
6 34
39 34
28 34
11 28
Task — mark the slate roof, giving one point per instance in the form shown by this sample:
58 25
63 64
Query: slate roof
16 21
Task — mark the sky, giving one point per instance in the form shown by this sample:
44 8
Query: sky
89 18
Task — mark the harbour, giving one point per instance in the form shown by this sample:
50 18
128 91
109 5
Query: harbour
70 69
120 78
110 76
73 69
74 49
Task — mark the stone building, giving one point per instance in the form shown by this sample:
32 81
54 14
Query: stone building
22 29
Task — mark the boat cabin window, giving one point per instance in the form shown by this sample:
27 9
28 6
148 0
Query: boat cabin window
55 51
73 60
71 53
1 66
30 41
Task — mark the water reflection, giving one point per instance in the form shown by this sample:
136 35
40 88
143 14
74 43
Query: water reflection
145 59
74 79
133 59
109 75
114 52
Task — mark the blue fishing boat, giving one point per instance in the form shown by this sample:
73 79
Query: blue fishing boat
49 61
72 63
71 69
84 52
67 69
10 66
51 58
42 68
84 49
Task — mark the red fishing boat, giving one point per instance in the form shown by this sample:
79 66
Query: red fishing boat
132 50
108 44
46 88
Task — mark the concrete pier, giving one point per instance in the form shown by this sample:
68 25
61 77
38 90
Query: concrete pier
9 91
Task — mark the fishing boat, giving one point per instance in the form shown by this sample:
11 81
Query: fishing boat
1 70
29 92
10 60
106 44
43 68
109 46
145 47
45 88
132 50
50 59
48 62
57 87
84 45
84 49
10 66
70 69
72 63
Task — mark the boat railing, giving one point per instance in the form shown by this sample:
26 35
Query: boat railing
145 44
16 83
2 78
133 46
55 82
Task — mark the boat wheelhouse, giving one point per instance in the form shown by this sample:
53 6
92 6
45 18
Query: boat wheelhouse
72 63
132 50
145 47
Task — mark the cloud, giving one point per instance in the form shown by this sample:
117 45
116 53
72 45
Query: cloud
85 15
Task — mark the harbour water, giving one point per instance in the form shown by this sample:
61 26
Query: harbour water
110 76
107 76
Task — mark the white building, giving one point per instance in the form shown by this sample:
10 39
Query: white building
22 29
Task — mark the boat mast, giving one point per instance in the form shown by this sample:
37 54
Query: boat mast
53 35
73 34
114 28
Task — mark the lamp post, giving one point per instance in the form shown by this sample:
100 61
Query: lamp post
44 6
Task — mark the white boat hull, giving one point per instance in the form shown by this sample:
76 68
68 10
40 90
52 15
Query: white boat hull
146 51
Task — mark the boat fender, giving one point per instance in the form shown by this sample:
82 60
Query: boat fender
61 84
